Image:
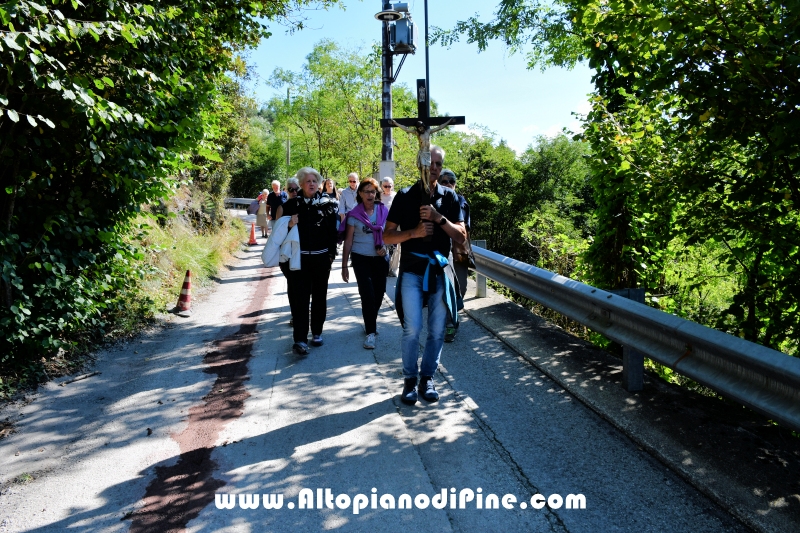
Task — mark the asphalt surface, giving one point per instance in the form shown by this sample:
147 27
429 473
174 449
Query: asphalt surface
217 404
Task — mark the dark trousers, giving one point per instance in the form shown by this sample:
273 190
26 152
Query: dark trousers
290 283
371 275
310 283
462 271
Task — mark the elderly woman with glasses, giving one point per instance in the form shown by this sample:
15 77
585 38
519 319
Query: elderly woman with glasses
364 240
292 190
387 191
314 214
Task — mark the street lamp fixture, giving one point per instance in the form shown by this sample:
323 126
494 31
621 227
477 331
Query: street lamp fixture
392 13
389 15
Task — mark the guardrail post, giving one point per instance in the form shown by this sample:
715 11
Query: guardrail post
480 281
632 360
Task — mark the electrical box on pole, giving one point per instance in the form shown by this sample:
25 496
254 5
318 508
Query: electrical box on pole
403 36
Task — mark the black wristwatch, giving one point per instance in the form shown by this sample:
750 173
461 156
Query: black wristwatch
443 221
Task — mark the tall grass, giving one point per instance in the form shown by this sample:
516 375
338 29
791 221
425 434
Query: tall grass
175 248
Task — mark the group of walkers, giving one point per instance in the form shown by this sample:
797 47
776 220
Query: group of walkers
376 227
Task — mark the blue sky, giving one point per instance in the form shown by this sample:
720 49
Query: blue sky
492 89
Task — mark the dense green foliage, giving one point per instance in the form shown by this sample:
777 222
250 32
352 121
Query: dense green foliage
694 134
536 207
684 180
333 112
264 161
106 106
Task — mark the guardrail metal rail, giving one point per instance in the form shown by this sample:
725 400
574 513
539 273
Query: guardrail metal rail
763 379
238 201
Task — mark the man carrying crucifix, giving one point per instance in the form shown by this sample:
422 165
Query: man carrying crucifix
426 277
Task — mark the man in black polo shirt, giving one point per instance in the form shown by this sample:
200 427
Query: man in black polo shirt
423 280
275 199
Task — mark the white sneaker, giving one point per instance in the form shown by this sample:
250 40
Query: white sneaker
369 343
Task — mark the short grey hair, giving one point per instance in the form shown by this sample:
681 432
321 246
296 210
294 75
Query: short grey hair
388 180
305 171
276 182
292 181
437 148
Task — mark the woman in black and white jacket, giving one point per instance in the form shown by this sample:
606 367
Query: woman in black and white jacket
315 216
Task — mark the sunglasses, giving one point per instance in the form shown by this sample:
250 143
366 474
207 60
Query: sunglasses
292 189
387 186
352 182
447 182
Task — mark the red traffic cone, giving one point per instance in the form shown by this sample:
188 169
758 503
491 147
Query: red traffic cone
253 234
184 306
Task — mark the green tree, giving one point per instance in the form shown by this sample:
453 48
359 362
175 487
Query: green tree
694 133
488 176
724 75
537 207
334 112
104 107
557 187
264 161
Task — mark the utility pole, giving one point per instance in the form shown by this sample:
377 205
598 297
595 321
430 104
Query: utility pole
427 68
387 165
398 37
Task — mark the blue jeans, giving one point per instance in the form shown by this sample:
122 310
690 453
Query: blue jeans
411 293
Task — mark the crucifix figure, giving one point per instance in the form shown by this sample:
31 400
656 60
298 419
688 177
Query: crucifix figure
421 127
423 133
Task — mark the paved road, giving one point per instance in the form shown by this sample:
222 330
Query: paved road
218 405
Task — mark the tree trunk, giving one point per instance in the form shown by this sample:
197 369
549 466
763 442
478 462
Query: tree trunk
751 328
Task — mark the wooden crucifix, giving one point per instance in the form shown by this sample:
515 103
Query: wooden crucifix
421 127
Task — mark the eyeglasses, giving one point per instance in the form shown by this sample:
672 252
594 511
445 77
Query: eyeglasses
447 182
292 189
370 191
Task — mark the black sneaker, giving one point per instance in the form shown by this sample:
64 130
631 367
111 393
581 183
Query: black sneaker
449 334
427 390
409 394
300 348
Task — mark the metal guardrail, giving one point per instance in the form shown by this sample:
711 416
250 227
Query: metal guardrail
238 201
763 379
